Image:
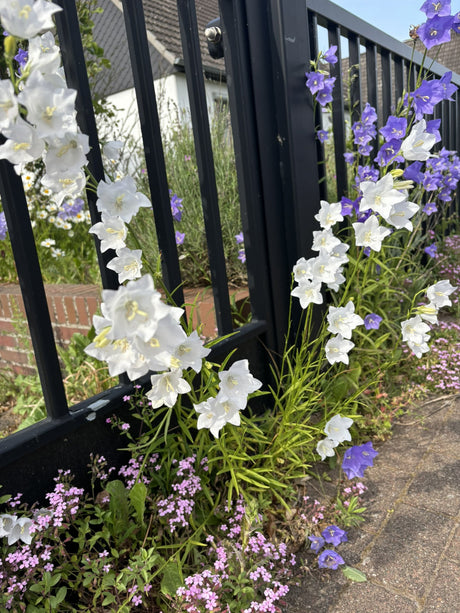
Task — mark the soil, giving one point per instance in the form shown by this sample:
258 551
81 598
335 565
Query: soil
9 421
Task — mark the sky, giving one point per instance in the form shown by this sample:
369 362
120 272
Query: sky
392 16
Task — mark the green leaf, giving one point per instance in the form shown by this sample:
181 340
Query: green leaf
137 496
61 594
354 574
109 599
119 507
172 579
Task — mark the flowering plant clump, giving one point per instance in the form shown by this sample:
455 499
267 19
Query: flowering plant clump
244 572
355 460
200 441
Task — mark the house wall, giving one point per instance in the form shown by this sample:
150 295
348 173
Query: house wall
173 105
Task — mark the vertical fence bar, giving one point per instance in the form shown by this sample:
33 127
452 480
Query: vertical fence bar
313 37
248 68
398 76
456 127
205 162
445 123
437 114
355 78
386 85
371 79
411 76
33 292
298 156
452 144
371 74
73 60
338 115
456 119
150 126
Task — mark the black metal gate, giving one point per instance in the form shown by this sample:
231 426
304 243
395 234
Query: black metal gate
267 45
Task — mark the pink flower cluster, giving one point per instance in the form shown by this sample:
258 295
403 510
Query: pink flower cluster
441 371
25 564
262 563
178 506
131 471
64 500
313 510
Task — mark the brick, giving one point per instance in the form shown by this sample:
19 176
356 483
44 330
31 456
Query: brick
49 302
7 327
23 369
5 310
8 341
83 318
17 306
70 310
65 334
203 314
86 290
15 357
92 305
59 309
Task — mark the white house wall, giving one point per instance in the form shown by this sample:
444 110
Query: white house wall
173 105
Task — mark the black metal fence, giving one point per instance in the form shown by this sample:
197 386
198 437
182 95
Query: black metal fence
267 45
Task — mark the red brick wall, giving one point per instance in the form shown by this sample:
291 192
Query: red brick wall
71 310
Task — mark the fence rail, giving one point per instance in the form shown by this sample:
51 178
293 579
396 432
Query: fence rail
268 45
379 69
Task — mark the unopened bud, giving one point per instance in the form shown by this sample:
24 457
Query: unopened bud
403 184
10 45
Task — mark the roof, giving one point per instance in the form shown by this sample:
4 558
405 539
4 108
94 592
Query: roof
164 38
446 54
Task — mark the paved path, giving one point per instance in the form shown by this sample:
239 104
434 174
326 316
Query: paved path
409 547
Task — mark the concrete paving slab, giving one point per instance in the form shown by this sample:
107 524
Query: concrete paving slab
406 553
453 551
371 598
409 547
436 485
444 597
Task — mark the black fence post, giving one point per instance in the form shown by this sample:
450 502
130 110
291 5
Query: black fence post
150 126
73 60
33 292
205 162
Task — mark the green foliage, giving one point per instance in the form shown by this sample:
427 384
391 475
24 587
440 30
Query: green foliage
351 515
183 180
83 377
354 574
